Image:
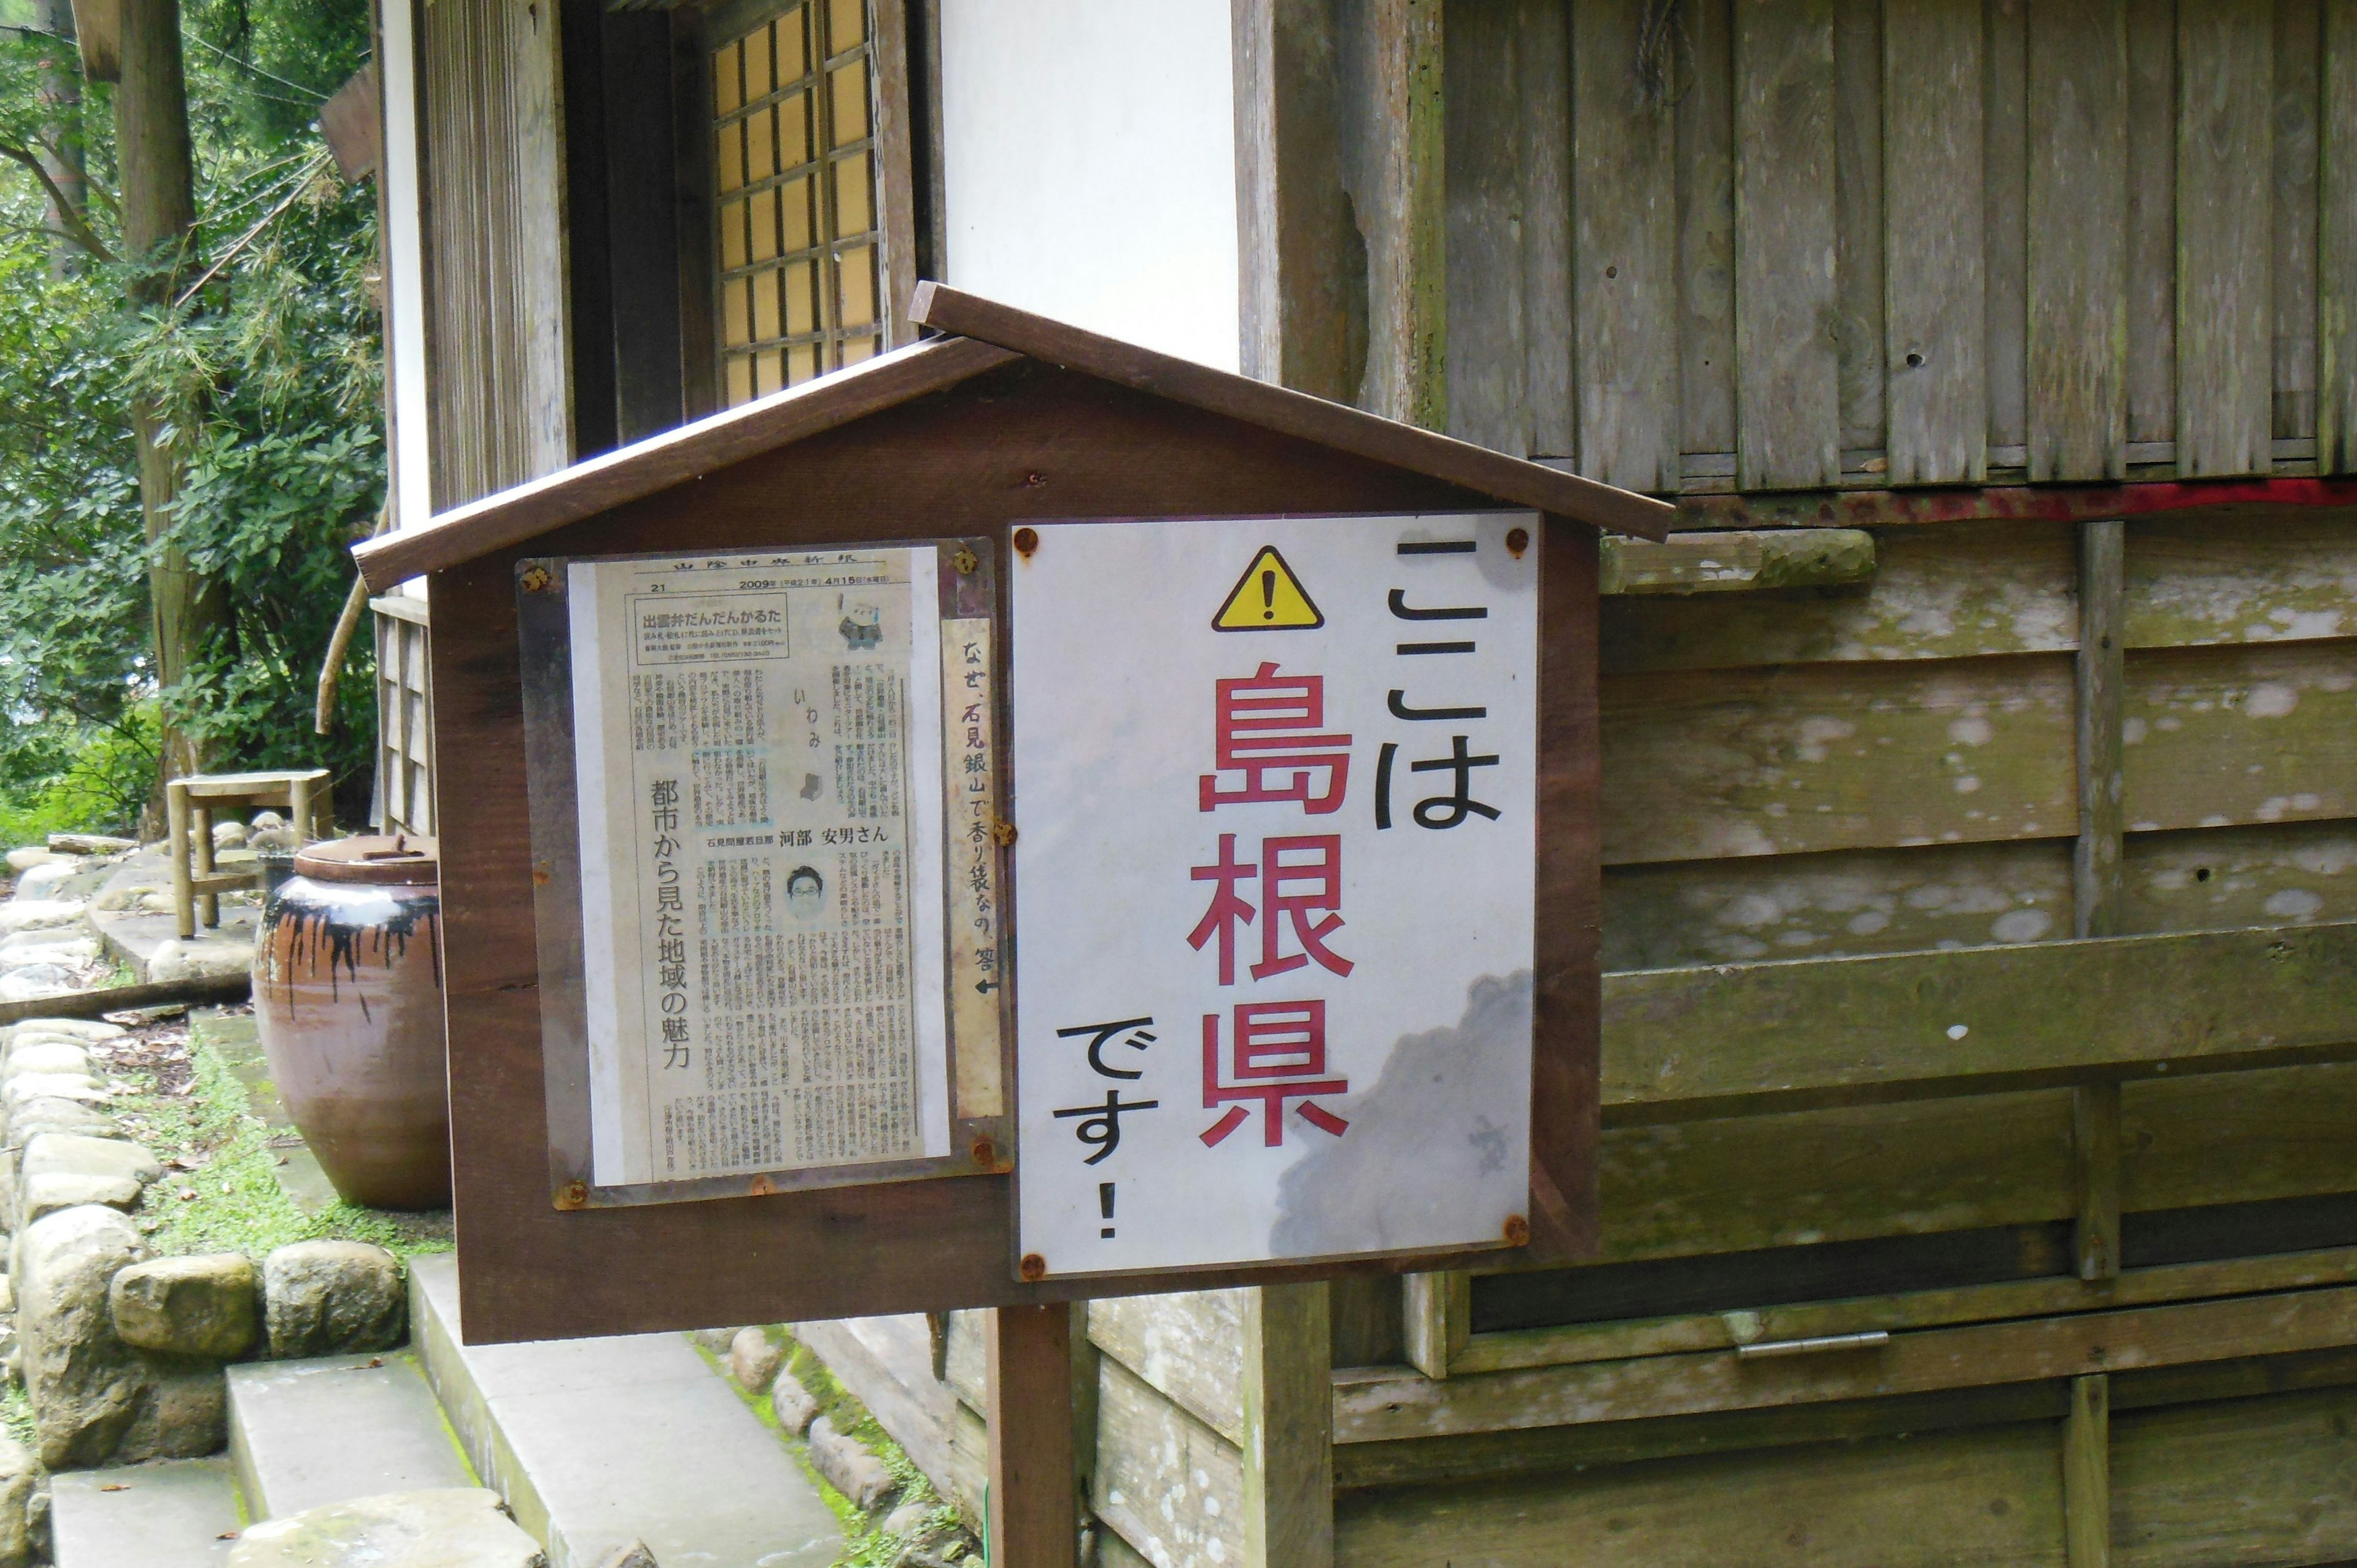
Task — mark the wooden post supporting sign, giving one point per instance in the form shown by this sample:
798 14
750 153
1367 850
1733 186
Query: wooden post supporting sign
1034 1515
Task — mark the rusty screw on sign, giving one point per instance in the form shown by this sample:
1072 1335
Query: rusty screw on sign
965 561
1518 1230
536 578
1033 1268
1517 540
1027 540
572 1195
985 1152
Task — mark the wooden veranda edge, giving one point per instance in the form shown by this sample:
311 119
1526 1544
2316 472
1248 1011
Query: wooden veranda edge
632 473
1277 408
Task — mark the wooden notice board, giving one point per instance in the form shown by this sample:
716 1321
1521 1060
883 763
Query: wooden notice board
1006 419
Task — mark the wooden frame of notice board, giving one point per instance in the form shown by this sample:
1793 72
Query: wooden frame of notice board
1010 418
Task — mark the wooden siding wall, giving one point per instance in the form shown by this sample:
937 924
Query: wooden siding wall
404 717
495 286
1884 243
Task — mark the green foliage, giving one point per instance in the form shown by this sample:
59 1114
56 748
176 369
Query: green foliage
239 1206
267 376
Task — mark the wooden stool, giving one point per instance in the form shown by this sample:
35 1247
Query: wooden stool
190 802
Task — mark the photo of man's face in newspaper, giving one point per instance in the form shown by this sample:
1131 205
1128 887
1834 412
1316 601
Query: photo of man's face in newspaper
805 893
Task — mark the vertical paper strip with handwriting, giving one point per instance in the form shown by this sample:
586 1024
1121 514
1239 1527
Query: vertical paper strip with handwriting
969 783
1276 785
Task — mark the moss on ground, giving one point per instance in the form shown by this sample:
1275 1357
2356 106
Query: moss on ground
17 1413
220 1191
866 1543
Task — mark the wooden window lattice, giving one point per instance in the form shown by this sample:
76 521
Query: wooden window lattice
800 242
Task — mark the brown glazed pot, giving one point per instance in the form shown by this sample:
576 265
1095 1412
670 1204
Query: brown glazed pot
347 993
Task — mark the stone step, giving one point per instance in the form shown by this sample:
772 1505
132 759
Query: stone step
306 1434
596 1443
181 1513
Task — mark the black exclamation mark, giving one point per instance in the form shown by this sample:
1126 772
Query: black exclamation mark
1268 594
1104 1205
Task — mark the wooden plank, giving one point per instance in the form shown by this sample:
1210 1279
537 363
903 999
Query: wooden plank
2225 321
692 184
1169 1486
2222 735
2005 250
2152 222
1624 255
1619 1341
1823 1030
1364 1312
1543 69
1405 1405
2221 579
2294 875
1489 1457
207 990
897 133
1859 503
966 1369
2245 1481
1954 591
1788 386
1289 1445
1566 1026
1679 1189
1033 1509
2238 1138
1303 289
1839 904
2197 719
2100 667
2095 1155
1394 159
1183 1347
1933 140
1742 561
1438 1317
2336 283
642 200
2078 238
1488 392
2299 40
1705 192
2087 1473
1859 207
1778 761
1989 1497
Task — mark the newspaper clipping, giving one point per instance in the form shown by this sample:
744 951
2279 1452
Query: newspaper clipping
759 757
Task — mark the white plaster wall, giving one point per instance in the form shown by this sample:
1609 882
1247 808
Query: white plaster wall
1090 164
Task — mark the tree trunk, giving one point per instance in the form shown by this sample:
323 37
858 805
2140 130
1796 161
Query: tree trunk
151 138
59 93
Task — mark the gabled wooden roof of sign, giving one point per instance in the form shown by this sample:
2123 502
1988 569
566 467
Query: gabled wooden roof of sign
982 336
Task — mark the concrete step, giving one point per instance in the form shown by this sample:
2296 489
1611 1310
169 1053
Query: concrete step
305 1434
596 1443
170 1515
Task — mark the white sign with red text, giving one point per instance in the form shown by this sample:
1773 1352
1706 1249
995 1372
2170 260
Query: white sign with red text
1276 791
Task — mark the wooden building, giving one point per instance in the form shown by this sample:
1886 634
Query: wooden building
1981 877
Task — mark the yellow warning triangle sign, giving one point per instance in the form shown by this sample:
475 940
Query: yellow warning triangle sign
1267 597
